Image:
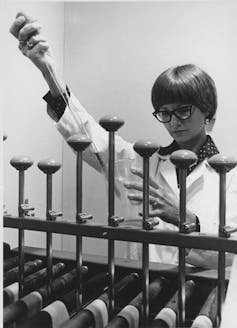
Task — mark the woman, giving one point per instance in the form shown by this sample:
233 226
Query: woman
184 99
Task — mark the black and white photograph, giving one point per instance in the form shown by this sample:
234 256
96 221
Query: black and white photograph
119 164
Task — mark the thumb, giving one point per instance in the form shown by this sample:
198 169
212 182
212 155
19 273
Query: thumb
152 214
27 17
17 25
21 19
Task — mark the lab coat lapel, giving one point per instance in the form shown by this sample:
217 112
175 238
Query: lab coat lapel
196 178
194 182
168 173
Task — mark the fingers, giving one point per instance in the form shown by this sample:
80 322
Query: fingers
139 186
160 215
153 202
31 50
27 17
20 20
135 197
139 173
41 47
35 39
153 214
17 25
139 198
28 30
133 185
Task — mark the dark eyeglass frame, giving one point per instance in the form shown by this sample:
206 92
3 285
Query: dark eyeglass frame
175 113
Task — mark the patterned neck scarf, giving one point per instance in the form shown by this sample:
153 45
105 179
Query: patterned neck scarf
207 150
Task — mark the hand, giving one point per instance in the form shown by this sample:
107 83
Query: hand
31 43
163 203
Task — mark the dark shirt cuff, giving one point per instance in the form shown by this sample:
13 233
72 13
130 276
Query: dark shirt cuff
198 229
57 104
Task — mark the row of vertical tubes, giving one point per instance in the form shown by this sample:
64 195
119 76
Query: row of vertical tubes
49 167
182 159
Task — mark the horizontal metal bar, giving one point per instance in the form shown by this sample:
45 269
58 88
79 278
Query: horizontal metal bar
170 238
161 268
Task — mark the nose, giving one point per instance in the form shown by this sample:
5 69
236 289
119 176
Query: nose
174 122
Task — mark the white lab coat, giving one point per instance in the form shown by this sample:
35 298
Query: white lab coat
202 184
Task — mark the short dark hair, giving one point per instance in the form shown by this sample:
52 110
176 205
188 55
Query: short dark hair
187 84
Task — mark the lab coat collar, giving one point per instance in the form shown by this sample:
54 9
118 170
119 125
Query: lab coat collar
168 173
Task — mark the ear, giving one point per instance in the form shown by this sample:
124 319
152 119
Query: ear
209 123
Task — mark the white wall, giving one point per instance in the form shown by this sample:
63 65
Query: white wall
113 53
30 132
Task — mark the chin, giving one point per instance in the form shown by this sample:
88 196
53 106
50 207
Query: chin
181 139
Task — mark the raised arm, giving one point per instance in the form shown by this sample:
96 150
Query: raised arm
70 116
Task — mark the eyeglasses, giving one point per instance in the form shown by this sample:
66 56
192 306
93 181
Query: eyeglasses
182 113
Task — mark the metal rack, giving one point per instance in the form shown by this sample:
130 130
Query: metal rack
185 238
169 238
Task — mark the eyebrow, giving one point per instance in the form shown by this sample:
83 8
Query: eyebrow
172 109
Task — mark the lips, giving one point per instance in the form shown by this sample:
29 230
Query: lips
178 131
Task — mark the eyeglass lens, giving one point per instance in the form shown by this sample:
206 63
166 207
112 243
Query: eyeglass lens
181 112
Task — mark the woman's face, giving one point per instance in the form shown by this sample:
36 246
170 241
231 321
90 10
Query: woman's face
188 130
